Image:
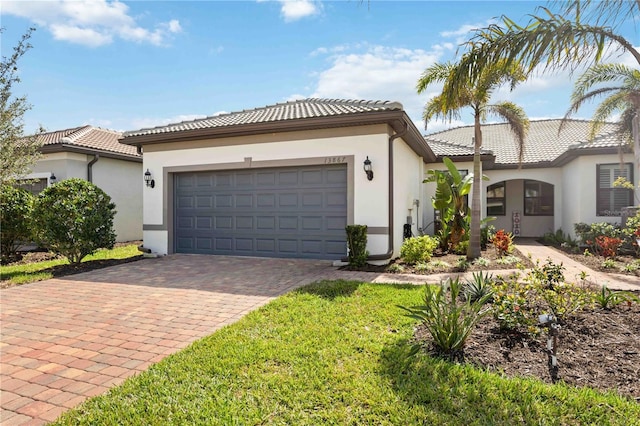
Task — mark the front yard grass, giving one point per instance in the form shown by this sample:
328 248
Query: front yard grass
336 353
26 272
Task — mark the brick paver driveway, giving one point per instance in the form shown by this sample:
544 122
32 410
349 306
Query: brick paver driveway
63 340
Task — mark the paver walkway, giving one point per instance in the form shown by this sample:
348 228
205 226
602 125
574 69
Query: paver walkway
63 340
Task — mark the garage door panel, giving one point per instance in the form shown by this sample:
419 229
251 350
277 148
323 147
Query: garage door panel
283 212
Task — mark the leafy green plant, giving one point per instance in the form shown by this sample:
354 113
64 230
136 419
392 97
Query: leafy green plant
448 321
550 274
511 306
396 268
357 244
463 263
508 260
588 233
436 264
632 267
15 214
630 235
418 249
608 299
608 264
480 287
486 235
559 239
482 261
449 200
422 267
74 218
565 299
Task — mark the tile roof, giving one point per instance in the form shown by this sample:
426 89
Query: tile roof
294 110
90 137
543 144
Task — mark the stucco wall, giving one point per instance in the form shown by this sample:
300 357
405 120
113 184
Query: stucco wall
122 180
579 179
370 198
408 170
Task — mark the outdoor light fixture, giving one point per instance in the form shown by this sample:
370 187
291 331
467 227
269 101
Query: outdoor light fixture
148 179
52 178
367 168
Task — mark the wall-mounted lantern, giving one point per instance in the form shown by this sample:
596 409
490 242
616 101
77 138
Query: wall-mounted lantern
52 179
148 179
368 169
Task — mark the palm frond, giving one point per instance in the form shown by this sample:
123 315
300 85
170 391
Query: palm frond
517 120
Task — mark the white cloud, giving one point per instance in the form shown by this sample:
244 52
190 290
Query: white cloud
90 23
374 73
292 10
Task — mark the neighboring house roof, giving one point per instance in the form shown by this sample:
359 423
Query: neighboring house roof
87 139
544 146
305 114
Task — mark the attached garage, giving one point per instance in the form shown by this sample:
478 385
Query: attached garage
283 180
296 212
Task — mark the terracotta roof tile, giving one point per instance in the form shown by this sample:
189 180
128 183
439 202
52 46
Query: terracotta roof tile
543 144
300 109
90 137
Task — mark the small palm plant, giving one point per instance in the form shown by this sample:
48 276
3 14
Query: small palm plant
449 321
479 287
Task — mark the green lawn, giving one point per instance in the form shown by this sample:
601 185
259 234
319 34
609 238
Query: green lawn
335 353
38 271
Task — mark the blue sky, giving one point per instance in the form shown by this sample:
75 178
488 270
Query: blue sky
126 65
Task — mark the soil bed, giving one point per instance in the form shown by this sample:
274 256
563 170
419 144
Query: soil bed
596 348
596 263
447 263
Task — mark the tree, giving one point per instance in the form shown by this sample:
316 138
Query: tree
584 30
15 212
74 218
449 200
18 153
475 95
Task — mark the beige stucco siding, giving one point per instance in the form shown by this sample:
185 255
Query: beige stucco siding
368 199
122 180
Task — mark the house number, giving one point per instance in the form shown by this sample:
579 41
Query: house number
334 160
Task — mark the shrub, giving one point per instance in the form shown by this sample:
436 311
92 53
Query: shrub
608 264
588 233
482 261
566 299
449 321
503 242
461 247
630 234
486 235
396 268
357 244
549 275
511 306
15 211
559 239
462 264
508 260
418 249
74 218
608 246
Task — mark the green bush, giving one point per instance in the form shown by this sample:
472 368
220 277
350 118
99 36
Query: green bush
589 233
629 235
418 249
357 243
449 321
15 211
74 218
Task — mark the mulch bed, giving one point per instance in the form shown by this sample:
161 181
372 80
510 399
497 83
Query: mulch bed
596 262
489 254
596 348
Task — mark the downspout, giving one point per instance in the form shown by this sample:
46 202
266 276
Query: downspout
90 167
389 253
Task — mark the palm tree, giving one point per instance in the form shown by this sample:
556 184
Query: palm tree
584 30
475 95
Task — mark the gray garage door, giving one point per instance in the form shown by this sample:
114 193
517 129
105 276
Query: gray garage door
281 212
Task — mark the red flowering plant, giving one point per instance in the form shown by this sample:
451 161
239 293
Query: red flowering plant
503 242
608 246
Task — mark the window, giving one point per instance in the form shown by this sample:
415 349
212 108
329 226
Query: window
610 200
496 199
538 198
34 186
